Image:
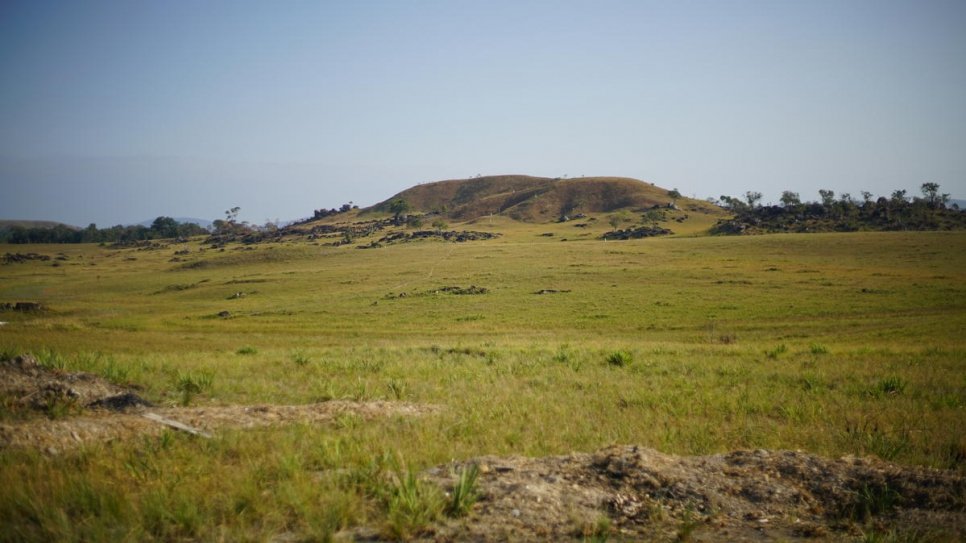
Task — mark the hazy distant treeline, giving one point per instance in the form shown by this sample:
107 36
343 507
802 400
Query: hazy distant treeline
161 228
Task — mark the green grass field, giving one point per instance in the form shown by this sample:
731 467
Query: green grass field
837 344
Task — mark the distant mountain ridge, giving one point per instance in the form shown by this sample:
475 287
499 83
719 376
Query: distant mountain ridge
533 199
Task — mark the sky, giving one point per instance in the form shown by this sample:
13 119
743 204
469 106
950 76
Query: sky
114 112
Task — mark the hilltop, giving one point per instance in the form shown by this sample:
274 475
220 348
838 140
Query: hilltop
538 199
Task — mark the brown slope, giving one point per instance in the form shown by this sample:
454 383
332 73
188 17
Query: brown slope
531 199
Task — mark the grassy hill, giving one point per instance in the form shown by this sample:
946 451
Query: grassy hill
538 199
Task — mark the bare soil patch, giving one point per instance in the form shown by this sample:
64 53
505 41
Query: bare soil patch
630 493
55 410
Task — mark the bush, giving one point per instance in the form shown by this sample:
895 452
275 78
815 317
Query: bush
619 358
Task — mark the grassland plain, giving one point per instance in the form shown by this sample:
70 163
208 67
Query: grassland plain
835 344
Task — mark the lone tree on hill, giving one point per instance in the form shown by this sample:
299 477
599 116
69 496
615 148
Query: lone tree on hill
398 208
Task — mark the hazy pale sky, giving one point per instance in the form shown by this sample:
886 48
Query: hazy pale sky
119 111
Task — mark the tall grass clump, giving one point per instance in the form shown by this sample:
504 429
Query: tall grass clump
464 493
619 358
818 348
777 351
413 505
190 384
300 358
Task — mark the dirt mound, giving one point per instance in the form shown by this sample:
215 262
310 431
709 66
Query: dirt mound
633 493
54 410
26 384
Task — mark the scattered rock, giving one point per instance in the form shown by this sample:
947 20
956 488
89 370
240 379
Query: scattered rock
550 291
471 290
20 258
23 307
120 402
454 236
461 291
636 233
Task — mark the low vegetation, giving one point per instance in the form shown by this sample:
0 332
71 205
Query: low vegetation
845 214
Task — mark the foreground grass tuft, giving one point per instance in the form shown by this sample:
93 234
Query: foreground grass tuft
464 493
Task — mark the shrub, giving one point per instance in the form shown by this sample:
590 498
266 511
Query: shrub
248 349
619 358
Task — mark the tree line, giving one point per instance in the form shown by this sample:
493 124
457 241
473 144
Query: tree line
842 213
161 228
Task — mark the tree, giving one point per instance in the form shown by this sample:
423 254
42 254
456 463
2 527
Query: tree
898 196
230 224
828 197
674 194
439 225
790 199
866 196
733 203
91 234
398 208
164 227
753 198
616 219
933 197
